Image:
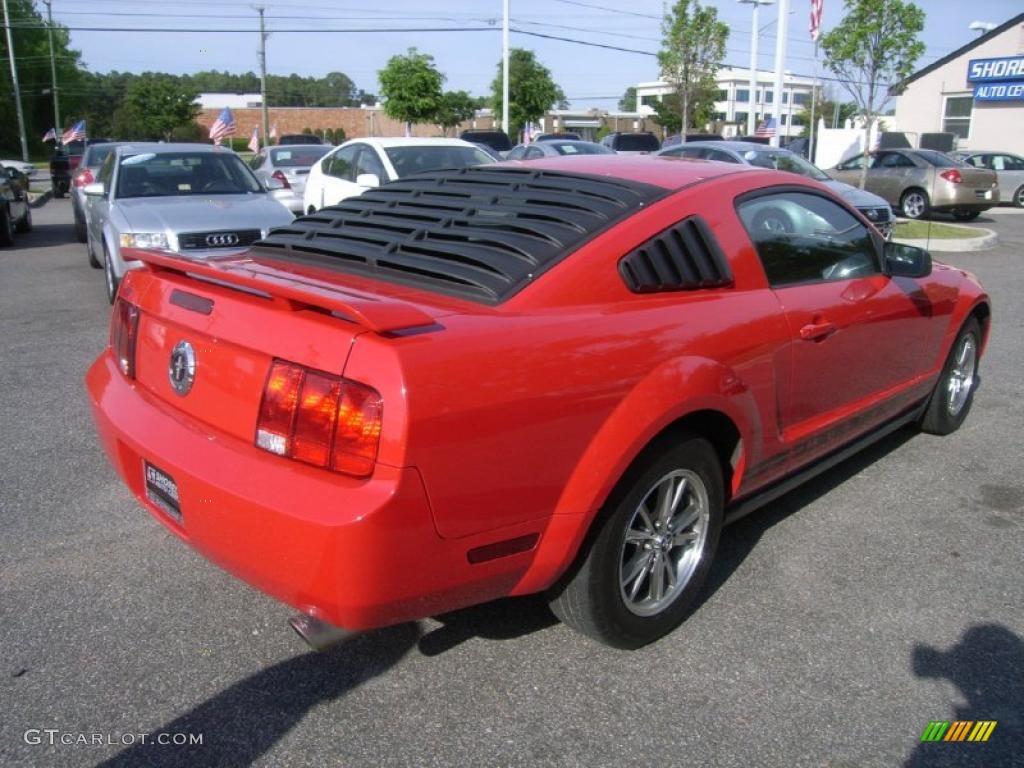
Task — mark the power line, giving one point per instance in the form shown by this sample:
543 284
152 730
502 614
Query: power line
196 30
609 10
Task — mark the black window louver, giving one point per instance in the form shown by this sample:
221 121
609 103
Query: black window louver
478 233
686 256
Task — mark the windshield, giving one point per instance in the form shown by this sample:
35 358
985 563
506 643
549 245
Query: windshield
637 142
410 160
298 157
176 174
579 148
96 154
937 159
785 161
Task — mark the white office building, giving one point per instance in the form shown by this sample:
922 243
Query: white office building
734 100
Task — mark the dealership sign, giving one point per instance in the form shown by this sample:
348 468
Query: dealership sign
995 78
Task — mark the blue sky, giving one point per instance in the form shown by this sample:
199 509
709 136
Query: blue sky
589 76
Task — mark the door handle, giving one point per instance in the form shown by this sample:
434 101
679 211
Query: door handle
816 331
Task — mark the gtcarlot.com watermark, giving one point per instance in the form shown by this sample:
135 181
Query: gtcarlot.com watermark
55 737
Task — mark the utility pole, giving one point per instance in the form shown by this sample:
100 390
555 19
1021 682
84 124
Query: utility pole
14 82
780 67
263 77
751 116
504 69
53 66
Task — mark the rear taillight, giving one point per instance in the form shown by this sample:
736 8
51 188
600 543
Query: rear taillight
124 329
952 175
319 419
282 178
83 177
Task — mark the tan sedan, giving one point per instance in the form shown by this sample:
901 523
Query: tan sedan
920 181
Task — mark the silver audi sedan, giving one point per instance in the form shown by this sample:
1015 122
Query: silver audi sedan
197 199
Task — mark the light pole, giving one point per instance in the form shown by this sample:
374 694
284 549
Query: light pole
14 82
504 68
780 66
264 114
53 65
751 117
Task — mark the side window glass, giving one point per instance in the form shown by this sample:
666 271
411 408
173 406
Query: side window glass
533 153
802 237
853 164
1013 163
517 153
722 157
368 162
694 153
341 166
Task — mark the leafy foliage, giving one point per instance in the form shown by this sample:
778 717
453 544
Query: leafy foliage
154 106
456 107
692 50
411 87
532 91
628 101
872 49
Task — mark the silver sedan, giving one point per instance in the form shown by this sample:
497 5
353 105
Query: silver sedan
1009 171
290 165
191 198
557 148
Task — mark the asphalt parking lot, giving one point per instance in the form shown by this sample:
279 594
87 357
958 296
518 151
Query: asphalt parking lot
837 624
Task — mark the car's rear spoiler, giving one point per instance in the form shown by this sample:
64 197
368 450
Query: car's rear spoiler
294 291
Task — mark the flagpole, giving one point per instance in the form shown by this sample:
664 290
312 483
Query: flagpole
814 97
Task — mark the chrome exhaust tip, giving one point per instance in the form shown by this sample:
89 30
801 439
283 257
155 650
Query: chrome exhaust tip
318 634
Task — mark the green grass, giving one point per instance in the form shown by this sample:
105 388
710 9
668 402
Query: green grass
921 230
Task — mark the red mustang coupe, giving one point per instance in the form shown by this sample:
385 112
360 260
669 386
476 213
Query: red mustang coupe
561 377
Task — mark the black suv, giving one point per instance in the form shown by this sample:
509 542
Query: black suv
632 143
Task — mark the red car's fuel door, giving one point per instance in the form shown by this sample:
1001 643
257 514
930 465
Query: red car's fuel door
858 336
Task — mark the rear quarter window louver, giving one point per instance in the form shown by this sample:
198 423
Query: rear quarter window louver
684 257
478 233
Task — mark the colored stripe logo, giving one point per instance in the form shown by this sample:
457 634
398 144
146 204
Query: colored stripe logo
958 730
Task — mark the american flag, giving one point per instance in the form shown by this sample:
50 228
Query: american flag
816 19
223 126
273 131
50 135
254 140
75 133
766 129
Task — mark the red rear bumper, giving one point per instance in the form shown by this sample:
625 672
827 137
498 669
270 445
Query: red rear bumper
355 553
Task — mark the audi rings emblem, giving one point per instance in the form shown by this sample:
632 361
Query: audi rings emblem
182 368
228 238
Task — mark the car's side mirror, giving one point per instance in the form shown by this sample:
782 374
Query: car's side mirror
273 184
368 180
96 189
906 260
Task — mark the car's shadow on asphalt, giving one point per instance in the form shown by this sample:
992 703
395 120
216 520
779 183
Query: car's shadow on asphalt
46 236
987 668
242 722
739 539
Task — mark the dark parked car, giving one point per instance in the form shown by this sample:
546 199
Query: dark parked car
496 140
15 215
300 138
632 143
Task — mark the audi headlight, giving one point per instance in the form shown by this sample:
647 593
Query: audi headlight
145 240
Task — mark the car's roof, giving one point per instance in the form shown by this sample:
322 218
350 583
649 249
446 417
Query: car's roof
663 171
290 147
159 147
408 141
732 146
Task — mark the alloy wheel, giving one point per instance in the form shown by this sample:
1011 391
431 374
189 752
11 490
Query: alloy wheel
664 542
913 205
961 376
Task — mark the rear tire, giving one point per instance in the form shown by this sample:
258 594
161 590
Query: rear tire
954 391
6 227
640 571
915 204
25 225
1018 197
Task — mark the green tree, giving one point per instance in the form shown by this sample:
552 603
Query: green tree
154 106
456 107
32 55
411 87
628 101
668 113
532 91
871 50
692 49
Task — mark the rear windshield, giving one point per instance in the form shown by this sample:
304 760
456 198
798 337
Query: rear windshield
96 154
493 139
175 174
784 161
937 159
637 142
297 157
410 160
579 148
